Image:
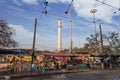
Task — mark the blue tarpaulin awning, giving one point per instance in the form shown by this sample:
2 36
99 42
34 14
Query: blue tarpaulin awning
10 52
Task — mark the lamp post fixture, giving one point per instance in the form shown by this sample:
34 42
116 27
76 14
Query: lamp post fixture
70 30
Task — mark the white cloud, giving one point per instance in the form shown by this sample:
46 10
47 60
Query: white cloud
30 1
108 28
22 35
83 7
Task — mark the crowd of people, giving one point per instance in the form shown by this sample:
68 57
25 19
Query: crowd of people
19 66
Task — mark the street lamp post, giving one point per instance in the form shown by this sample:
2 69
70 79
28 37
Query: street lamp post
69 12
93 11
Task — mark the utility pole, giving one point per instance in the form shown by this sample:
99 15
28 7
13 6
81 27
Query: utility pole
102 50
34 38
101 39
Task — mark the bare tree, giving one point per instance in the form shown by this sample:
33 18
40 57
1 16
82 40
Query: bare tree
6 33
92 41
111 41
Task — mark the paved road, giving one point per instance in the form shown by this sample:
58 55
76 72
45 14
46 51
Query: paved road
87 75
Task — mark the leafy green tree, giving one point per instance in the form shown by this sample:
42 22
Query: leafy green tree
6 33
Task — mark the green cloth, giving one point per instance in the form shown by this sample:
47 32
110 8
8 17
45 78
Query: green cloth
43 69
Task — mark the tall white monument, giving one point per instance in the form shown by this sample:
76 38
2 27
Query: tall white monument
59 35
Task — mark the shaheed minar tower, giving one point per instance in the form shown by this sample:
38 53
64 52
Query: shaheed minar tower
59 35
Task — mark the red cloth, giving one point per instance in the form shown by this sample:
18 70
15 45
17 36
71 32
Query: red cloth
3 65
60 58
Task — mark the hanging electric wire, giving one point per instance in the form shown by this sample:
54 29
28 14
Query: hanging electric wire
107 4
42 11
118 8
103 2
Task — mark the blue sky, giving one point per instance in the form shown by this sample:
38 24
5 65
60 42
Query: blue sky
20 14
